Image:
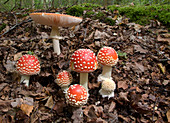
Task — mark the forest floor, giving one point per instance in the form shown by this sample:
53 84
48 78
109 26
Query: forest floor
141 74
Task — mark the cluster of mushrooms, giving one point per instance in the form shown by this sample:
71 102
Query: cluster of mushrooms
82 61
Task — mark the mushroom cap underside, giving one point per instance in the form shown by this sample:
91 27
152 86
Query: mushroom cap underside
55 19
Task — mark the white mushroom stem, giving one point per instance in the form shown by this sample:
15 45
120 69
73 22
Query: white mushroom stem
65 88
55 35
107 71
84 80
25 79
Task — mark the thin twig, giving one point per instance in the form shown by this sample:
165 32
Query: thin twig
53 106
16 25
156 101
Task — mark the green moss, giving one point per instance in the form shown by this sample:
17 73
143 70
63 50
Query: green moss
75 10
143 14
112 8
89 13
109 21
99 15
91 5
138 14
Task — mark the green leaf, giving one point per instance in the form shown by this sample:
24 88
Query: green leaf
122 54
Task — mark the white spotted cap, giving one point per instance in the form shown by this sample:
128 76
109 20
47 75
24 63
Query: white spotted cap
76 95
83 60
107 56
64 78
28 65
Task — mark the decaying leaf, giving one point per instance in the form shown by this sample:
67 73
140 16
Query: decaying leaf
168 115
77 115
93 112
138 48
123 96
122 84
162 39
112 106
140 66
27 109
49 102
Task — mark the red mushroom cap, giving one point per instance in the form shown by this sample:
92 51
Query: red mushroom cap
28 65
83 61
76 95
107 56
64 78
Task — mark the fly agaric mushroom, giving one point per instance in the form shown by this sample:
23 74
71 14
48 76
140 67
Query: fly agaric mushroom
83 61
28 65
108 87
64 79
76 95
108 57
55 20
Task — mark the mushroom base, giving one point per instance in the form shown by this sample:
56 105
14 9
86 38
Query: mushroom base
25 79
106 93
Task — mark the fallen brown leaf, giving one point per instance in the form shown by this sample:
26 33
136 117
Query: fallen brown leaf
27 109
138 48
112 107
122 84
49 102
168 115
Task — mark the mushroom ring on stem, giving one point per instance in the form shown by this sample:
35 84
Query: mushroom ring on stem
107 89
108 57
83 61
64 79
28 65
55 20
76 95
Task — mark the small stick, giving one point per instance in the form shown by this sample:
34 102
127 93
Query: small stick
16 25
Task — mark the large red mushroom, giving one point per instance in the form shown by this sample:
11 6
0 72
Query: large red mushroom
83 61
28 65
108 57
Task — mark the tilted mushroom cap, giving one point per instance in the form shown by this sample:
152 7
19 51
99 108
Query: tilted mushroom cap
55 19
83 60
28 65
107 56
64 78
